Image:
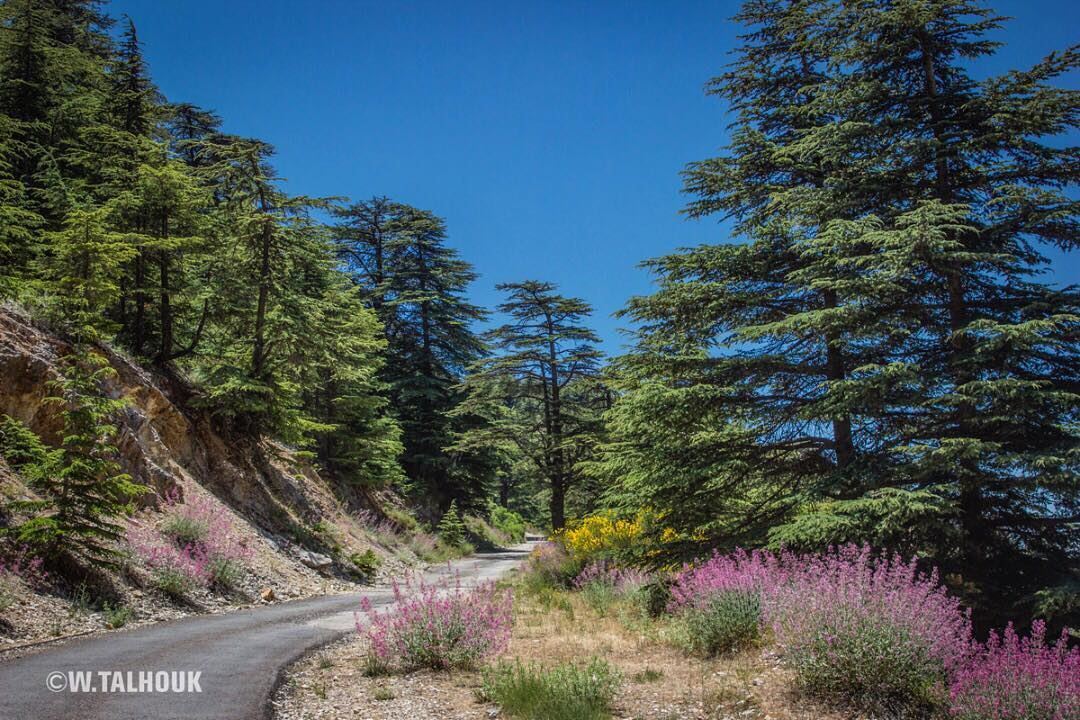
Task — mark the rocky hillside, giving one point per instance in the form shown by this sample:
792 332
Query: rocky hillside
300 529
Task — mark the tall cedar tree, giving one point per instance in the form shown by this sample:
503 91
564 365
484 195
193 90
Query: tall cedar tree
539 391
398 256
80 488
908 202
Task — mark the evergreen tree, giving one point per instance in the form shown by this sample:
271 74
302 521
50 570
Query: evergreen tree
272 248
887 300
451 527
538 393
81 488
398 256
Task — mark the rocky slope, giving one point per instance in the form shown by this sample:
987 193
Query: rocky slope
300 528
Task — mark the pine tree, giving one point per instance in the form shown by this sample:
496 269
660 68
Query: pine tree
83 271
894 209
359 442
451 527
398 256
539 391
271 249
82 490
978 185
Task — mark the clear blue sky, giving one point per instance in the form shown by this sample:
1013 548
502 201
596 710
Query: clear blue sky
549 134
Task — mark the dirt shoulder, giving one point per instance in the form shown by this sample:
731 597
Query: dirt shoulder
659 681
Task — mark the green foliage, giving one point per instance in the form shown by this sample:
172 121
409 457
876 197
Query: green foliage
730 621
20 446
564 692
116 616
873 665
397 255
599 596
873 356
82 491
451 527
539 396
508 522
184 529
367 562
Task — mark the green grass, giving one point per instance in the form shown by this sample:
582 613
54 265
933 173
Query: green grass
730 621
566 691
116 617
599 596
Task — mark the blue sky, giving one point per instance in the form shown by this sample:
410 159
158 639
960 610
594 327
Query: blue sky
550 135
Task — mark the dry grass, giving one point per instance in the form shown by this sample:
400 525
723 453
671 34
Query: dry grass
660 682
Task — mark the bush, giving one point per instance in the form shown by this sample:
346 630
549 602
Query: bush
174 570
564 692
451 527
194 545
367 562
437 626
651 600
1019 679
600 536
550 566
871 630
874 631
759 572
508 522
729 621
601 583
116 617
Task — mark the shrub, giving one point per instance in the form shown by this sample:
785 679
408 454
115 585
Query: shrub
601 583
549 565
729 621
1015 678
451 527
437 626
508 522
366 562
875 631
116 617
174 570
651 600
760 572
194 545
600 536
565 692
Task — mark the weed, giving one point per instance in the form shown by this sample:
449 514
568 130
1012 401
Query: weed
565 692
647 675
116 617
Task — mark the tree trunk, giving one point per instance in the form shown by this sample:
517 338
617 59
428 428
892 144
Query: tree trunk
558 478
258 351
842 440
165 298
972 523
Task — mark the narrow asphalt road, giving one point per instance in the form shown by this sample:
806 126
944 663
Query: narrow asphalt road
240 657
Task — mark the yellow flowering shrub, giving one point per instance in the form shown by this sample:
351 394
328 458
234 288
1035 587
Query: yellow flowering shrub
599 534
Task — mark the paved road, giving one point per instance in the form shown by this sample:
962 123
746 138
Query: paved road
240 655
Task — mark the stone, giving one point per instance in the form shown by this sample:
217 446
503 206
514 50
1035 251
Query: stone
314 560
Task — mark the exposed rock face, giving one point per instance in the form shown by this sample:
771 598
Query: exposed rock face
166 442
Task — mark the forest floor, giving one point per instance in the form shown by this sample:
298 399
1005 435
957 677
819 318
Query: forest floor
659 681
